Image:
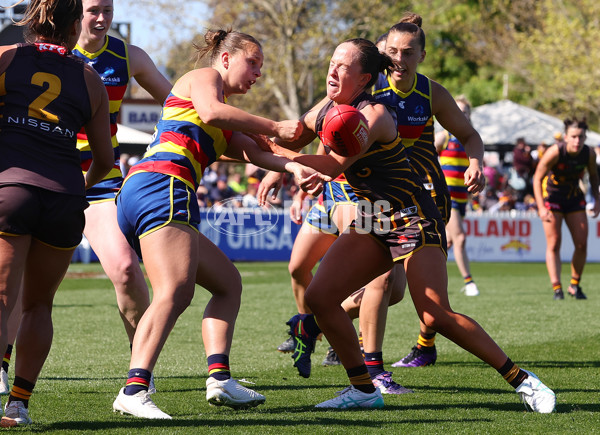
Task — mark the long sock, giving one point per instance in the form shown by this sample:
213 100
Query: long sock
556 286
575 281
6 359
307 326
21 391
218 366
361 343
374 363
468 279
360 379
512 373
426 341
137 380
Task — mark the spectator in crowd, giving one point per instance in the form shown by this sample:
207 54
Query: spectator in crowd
236 182
249 199
209 179
202 196
523 165
522 159
123 158
221 191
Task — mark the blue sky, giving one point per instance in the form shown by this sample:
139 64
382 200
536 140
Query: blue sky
154 31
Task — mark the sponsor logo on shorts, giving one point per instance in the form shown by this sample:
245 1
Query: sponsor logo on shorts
408 211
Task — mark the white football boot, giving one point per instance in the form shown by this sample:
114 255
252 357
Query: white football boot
470 289
350 397
535 395
15 414
232 394
139 405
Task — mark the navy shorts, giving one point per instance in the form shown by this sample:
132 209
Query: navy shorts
461 207
148 201
320 215
104 191
56 219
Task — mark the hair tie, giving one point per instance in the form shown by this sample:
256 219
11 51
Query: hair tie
221 35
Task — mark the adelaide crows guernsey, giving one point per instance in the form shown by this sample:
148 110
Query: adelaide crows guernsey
111 63
183 145
454 162
414 119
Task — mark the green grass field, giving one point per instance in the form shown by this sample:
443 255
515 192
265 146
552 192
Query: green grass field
558 340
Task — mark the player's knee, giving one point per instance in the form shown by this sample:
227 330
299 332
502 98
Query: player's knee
460 240
396 297
125 274
581 246
298 271
436 320
315 300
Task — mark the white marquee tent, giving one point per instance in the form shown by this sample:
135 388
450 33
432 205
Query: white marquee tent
131 136
502 122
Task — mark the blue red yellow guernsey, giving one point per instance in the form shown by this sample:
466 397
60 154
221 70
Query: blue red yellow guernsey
414 119
183 146
454 162
111 63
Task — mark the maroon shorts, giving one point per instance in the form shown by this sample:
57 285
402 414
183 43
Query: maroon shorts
56 219
559 204
405 231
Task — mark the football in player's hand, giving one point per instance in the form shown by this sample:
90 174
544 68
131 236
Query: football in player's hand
345 130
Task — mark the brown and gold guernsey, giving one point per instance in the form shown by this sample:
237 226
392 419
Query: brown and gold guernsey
562 182
393 205
44 102
382 173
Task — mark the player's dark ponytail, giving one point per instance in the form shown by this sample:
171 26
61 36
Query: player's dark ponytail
372 61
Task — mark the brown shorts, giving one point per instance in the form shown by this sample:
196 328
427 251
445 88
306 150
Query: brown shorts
56 219
560 204
404 231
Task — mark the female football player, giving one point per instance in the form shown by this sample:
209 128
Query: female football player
47 96
159 215
397 222
559 198
417 99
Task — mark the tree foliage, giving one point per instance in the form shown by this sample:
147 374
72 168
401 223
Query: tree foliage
540 53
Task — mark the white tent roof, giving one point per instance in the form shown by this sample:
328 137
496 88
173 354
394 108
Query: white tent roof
504 121
128 135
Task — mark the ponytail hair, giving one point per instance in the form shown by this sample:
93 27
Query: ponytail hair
50 20
220 41
575 123
371 60
410 23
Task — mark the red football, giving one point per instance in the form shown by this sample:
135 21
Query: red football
345 130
